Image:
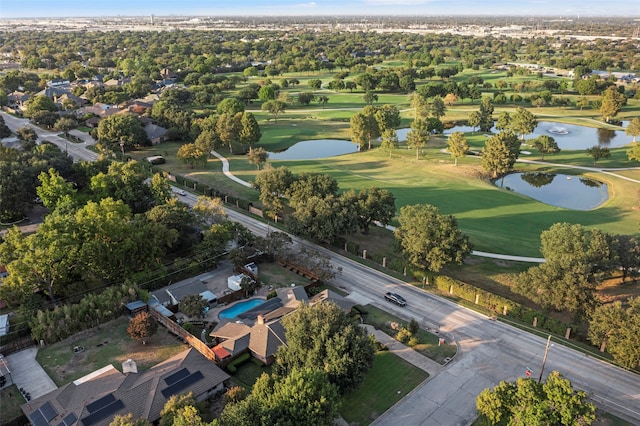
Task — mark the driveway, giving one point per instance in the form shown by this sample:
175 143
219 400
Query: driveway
27 373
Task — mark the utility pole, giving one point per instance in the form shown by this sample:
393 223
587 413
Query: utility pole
544 360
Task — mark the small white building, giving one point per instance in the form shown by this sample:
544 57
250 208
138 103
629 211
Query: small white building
234 282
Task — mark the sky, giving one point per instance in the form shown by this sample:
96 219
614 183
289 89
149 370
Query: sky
75 8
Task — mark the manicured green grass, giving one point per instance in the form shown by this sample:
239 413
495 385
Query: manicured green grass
428 342
248 373
390 379
105 345
279 276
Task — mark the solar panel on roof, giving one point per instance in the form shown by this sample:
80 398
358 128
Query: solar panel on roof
37 419
182 384
103 413
176 377
100 403
48 412
69 420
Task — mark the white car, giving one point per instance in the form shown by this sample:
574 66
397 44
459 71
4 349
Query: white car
181 192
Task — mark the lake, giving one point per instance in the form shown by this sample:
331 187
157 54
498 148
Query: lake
319 148
569 192
569 136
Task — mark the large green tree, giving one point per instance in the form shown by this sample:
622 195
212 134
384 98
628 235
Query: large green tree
375 205
616 328
522 122
418 136
633 129
257 156
457 146
38 104
273 184
307 185
123 129
546 145
612 102
430 240
574 258
364 129
500 153
323 218
274 107
190 154
250 133
598 152
322 337
527 402
302 397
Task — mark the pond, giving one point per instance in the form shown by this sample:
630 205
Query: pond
568 136
312 149
569 192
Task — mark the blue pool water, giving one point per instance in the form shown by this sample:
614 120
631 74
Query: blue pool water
239 308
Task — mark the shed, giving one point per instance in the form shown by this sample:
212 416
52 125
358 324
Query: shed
135 307
233 282
209 296
165 312
4 324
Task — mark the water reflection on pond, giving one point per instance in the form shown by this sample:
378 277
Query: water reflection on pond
570 192
320 148
567 136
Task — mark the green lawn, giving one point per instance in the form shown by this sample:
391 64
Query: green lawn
390 379
248 373
428 342
279 276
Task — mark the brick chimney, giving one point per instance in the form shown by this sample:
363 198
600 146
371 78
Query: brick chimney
260 319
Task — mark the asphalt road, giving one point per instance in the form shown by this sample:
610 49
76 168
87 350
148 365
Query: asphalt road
488 351
76 150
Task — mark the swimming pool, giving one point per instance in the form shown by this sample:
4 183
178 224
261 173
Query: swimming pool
239 308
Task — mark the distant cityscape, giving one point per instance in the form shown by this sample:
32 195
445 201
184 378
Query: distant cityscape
516 26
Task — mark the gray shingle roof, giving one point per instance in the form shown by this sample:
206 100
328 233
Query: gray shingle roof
141 394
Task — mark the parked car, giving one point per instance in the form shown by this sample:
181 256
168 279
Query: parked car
395 298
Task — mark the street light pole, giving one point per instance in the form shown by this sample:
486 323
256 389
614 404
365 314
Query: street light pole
544 359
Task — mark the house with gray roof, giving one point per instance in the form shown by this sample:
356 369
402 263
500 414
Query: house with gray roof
97 398
262 339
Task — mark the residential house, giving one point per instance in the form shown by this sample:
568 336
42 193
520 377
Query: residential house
262 340
167 74
17 99
171 296
95 399
330 296
156 134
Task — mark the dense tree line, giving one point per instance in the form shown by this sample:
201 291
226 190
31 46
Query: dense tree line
320 212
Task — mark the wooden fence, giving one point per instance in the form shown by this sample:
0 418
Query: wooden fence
189 338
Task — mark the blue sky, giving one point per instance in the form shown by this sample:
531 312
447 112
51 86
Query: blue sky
564 8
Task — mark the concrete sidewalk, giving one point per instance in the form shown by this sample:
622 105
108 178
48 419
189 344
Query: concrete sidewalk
405 352
28 374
